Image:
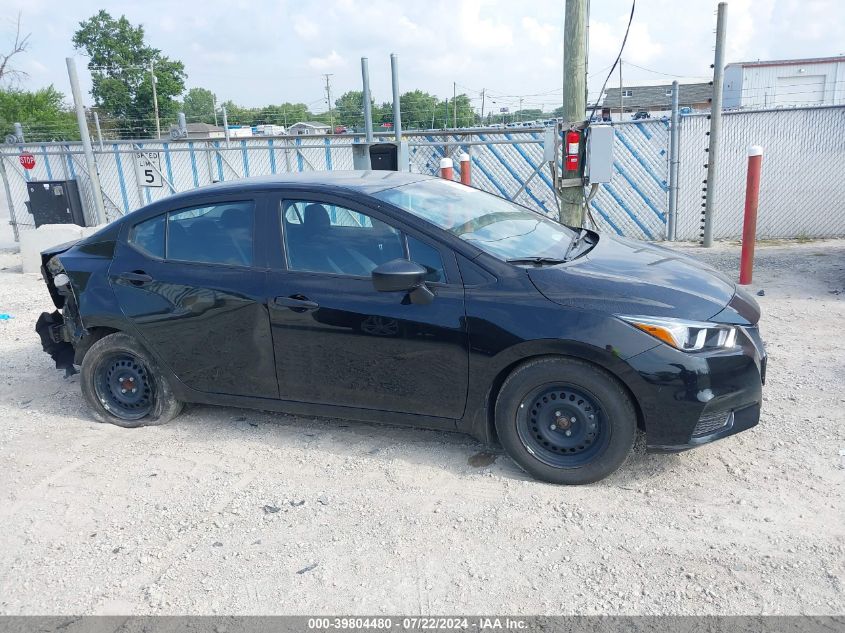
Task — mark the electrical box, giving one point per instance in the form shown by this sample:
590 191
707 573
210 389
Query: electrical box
599 159
55 202
384 156
381 156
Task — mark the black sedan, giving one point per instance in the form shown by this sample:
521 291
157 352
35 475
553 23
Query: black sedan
405 299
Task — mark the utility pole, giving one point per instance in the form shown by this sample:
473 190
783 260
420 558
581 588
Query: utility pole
454 105
329 98
621 93
574 100
214 107
155 99
90 163
483 90
520 109
715 125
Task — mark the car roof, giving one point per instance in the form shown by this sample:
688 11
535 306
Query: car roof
367 182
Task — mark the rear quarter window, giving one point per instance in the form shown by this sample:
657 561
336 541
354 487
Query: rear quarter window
148 236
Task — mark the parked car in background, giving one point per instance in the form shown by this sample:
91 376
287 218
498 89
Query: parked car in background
402 298
641 114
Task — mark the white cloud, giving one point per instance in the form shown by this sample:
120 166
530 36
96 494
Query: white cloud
305 28
329 62
537 32
265 51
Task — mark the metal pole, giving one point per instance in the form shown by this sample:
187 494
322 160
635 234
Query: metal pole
155 99
368 112
674 137
621 93
329 98
454 105
574 98
183 125
225 124
12 219
715 125
93 176
397 114
99 131
483 90
19 133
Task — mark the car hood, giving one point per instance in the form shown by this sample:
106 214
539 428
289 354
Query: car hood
622 276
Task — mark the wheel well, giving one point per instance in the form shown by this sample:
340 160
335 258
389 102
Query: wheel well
500 378
93 335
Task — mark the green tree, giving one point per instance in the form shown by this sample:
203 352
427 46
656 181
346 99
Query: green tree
42 113
349 109
119 61
417 109
198 105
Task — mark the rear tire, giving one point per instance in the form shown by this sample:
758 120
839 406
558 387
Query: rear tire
565 421
123 385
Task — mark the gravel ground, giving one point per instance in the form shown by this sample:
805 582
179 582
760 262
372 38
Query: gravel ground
233 511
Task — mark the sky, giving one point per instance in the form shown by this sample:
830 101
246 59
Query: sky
261 52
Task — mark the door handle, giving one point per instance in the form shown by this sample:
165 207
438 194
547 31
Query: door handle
297 303
136 278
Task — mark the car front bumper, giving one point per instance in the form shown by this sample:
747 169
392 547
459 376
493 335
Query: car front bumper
690 399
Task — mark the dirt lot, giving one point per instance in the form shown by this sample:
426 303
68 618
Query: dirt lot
231 511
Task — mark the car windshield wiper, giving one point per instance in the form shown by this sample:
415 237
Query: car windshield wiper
575 241
537 261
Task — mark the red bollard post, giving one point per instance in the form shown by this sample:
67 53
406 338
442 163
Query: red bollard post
446 170
749 225
466 177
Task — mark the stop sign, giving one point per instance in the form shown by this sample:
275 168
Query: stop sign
27 160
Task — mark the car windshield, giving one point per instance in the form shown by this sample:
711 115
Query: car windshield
495 225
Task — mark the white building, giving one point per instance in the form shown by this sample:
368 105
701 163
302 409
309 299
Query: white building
785 83
308 127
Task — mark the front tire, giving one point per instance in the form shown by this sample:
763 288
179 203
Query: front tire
122 384
565 421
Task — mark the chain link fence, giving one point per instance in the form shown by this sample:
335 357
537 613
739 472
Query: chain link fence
801 194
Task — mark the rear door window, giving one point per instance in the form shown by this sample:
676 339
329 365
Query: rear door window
213 234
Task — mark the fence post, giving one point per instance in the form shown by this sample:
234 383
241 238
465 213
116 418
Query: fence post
674 137
99 131
466 177
715 125
12 220
93 176
446 169
749 224
19 133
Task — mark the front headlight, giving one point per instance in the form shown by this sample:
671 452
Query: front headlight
688 336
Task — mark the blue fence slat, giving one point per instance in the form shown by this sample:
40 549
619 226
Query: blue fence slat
603 214
630 180
220 175
167 162
272 156
47 163
120 178
299 162
193 164
328 153
615 195
245 157
636 155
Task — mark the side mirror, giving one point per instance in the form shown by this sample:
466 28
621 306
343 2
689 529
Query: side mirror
401 274
398 274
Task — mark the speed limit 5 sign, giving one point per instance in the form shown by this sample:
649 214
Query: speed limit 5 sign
148 169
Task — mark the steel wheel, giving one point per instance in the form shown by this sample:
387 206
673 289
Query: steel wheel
123 386
562 426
